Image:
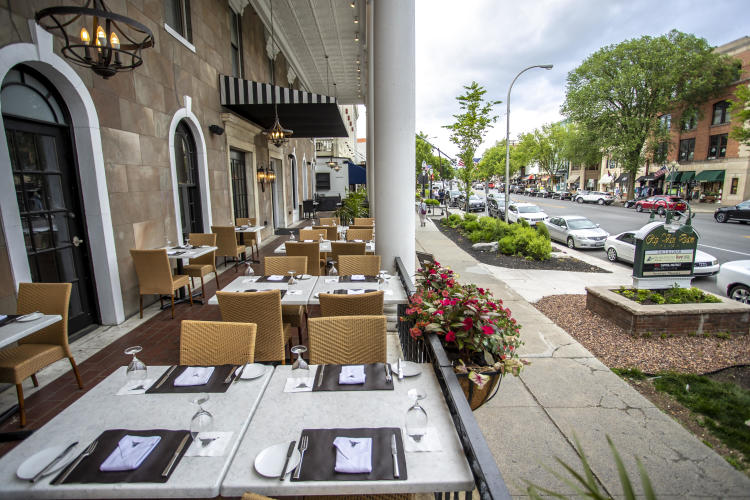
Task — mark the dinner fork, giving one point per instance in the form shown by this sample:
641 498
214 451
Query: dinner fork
302 448
88 451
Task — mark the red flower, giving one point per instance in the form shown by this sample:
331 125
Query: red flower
437 264
443 275
487 330
450 336
432 271
468 323
481 291
446 294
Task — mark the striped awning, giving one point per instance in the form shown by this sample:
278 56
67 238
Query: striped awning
305 113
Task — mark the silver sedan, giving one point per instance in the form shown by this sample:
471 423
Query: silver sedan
576 231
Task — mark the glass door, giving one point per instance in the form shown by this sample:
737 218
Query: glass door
188 186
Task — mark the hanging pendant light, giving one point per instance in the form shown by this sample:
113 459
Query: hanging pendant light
101 48
277 134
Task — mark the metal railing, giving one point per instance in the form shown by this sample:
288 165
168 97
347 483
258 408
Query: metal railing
488 480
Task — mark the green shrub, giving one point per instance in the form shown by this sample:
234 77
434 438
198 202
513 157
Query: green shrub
523 222
432 201
470 217
539 248
541 228
674 295
487 222
470 226
507 245
523 237
476 236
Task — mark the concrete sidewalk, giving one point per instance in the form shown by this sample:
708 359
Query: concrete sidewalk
567 392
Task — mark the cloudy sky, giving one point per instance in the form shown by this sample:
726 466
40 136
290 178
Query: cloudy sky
458 42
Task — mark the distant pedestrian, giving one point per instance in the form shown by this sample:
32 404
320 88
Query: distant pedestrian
422 212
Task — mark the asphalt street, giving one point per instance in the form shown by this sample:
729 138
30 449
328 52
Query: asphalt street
726 242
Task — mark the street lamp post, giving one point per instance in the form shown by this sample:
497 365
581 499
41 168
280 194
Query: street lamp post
507 136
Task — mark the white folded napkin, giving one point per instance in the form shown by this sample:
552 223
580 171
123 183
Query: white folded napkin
354 374
194 375
215 444
299 384
135 387
357 241
172 252
357 277
130 453
331 280
429 442
251 280
353 455
355 291
275 277
307 241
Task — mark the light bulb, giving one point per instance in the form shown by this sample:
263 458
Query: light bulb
356 36
85 37
114 41
356 20
101 36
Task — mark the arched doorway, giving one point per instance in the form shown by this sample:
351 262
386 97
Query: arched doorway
188 183
48 189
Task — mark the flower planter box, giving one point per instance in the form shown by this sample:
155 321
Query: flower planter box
729 316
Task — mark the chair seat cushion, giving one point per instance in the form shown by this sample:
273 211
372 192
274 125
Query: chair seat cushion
180 280
24 360
198 270
240 249
291 315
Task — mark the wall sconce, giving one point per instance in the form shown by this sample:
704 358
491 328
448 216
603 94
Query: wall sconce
215 129
270 174
261 174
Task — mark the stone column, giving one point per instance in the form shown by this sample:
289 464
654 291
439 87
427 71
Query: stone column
395 156
370 110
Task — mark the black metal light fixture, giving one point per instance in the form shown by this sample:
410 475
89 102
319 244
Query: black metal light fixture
114 43
261 175
270 174
277 134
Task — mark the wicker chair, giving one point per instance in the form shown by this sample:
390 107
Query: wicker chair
315 264
347 340
226 240
332 232
44 347
201 266
368 265
364 221
282 265
263 309
346 248
207 343
359 234
155 276
330 221
247 239
313 234
366 304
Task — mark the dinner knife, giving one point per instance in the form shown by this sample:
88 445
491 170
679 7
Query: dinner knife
320 375
286 462
240 373
231 372
177 452
169 372
53 462
394 453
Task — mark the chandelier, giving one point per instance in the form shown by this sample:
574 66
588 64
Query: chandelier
114 43
277 134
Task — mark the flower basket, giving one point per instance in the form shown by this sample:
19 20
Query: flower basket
475 395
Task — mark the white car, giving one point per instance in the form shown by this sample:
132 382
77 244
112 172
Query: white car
595 197
576 231
734 279
622 247
528 211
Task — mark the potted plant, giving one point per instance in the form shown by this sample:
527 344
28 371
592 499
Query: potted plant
477 332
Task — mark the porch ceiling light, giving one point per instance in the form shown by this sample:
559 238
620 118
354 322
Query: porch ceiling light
356 36
277 134
116 43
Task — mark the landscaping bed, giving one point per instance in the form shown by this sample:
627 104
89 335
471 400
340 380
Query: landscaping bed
514 262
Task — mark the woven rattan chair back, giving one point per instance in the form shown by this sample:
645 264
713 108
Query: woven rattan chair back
332 232
346 248
368 265
47 298
359 234
313 234
329 221
207 343
153 270
244 221
363 226
282 265
309 250
263 309
366 304
347 340
226 241
200 239
364 221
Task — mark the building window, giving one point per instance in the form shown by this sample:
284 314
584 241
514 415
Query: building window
322 181
733 188
178 18
689 121
188 187
239 183
687 149
717 146
721 113
235 41
666 121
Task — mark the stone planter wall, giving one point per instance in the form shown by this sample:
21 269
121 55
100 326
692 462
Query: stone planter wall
676 319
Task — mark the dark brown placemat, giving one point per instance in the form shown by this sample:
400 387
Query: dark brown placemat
283 292
320 457
264 279
215 383
374 379
345 291
10 318
348 279
149 471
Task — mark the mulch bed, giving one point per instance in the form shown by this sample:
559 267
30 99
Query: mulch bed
513 262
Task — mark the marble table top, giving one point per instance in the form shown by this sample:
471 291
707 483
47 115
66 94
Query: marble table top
17 330
248 229
281 417
189 253
101 409
394 291
247 282
325 247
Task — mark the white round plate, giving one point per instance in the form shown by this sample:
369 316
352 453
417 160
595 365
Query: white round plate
269 461
253 370
303 277
30 317
409 368
39 460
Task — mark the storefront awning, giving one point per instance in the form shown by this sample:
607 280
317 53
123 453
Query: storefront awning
606 179
573 179
645 178
305 113
357 174
529 177
687 176
621 178
710 176
673 177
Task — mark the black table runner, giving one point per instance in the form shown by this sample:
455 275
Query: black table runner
374 379
345 291
348 279
264 279
283 292
214 384
9 319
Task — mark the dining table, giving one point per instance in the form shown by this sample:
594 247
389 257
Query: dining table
13 329
102 409
242 230
325 246
298 294
178 254
394 292
282 416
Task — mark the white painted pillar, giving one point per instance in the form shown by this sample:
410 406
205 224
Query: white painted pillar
394 81
370 109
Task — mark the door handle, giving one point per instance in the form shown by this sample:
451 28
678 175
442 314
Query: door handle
77 241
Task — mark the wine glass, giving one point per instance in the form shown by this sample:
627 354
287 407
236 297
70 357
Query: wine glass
416 416
187 242
291 281
136 370
300 368
333 271
249 271
291 236
202 420
169 243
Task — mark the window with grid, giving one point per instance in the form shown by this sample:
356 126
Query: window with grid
687 149
689 121
666 121
239 183
717 146
235 42
178 18
322 180
721 113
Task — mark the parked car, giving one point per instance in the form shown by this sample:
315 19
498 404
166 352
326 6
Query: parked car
739 212
734 279
476 204
622 247
599 197
514 188
631 203
576 231
496 206
529 190
541 193
661 203
561 195
528 211
453 196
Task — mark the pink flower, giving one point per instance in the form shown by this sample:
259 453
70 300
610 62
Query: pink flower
437 264
468 323
432 271
443 275
487 330
450 336
481 291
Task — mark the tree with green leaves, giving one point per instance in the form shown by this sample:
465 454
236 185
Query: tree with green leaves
546 147
741 110
470 128
424 153
619 92
493 160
